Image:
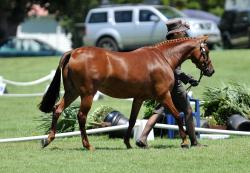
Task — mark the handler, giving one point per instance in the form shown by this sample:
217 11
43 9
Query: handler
177 29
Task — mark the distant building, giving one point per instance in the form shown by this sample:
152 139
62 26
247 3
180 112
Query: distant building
46 29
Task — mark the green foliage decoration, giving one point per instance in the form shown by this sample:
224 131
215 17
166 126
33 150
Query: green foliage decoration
68 120
221 103
149 108
66 123
96 119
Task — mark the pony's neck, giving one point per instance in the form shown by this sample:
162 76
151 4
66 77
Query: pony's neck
176 51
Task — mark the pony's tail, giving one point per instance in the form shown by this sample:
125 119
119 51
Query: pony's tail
52 94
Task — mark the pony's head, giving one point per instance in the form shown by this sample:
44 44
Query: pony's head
200 56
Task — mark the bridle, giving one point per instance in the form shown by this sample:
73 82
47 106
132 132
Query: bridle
204 64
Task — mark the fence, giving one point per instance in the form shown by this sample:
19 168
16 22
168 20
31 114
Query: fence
4 82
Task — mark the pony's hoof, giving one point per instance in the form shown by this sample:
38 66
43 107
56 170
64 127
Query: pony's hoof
185 146
44 143
91 148
128 145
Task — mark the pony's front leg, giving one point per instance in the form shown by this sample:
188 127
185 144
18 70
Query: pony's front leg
133 115
168 103
86 102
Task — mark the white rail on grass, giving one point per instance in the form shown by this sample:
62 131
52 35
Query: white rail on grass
137 132
68 134
204 130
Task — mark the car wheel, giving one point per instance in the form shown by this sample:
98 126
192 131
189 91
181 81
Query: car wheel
226 43
249 37
107 43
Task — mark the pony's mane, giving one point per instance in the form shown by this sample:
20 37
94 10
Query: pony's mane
166 42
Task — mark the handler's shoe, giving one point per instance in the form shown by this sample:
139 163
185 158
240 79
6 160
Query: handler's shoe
141 144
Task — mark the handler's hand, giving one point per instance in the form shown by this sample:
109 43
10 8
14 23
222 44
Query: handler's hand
193 82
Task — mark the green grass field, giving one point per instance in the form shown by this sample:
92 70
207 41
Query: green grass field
18 118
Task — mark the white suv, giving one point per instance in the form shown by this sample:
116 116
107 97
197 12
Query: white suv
131 26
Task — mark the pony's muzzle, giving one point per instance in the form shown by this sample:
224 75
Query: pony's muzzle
209 72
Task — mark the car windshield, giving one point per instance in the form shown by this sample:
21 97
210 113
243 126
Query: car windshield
171 12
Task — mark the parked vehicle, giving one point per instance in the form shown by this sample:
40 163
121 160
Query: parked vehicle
235 28
199 14
22 47
128 27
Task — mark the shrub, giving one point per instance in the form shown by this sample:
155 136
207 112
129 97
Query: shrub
221 103
96 119
149 108
68 120
66 123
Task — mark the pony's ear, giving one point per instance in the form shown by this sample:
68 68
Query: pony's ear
202 39
205 38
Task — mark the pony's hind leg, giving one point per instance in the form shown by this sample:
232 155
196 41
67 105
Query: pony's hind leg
133 115
86 102
64 102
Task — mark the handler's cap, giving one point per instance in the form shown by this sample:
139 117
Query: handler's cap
176 25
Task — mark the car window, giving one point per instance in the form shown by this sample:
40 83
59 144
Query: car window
30 45
12 45
123 16
34 46
99 17
228 17
248 16
242 17
45 47
144 15
171 12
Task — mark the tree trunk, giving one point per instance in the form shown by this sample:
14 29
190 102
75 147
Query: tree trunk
11 16
7 27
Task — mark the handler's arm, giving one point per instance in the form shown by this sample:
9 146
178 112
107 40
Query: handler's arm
185 78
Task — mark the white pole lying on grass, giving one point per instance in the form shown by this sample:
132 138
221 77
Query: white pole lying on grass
137 130
204 130
67 134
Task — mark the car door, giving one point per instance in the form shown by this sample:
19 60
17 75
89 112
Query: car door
124 24
240 29
149 28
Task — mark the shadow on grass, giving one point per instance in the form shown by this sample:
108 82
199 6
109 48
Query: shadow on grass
84 149
160 146
164 146
54 149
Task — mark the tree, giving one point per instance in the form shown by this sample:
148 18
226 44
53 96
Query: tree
214 6
13 12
